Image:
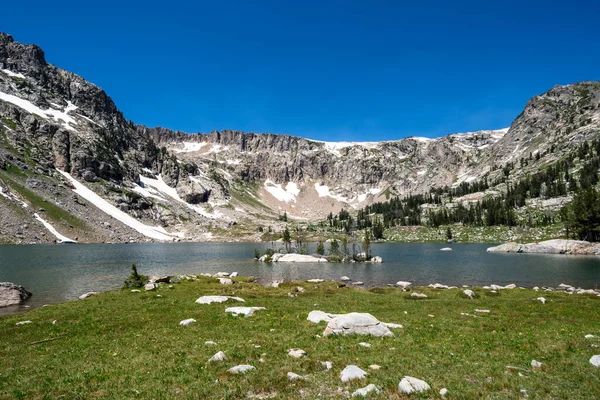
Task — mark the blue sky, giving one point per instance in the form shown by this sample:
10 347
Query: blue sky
328 70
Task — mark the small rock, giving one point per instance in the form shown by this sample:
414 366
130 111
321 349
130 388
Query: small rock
409 385
469 293
275 284
392 325
187 322
483 311
364 344
210 343
374 367
352 372
358 283
403 284
225 281
295 377
542 300
536 288
247 311
536 364
220 356
241 369
595 360
149 286
326 365
363 392
443 392
418 295
23 323
135 291
296 353
588 336
86 295
315 280
217 299
344 278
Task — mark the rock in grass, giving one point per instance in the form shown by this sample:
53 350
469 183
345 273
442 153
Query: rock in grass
217 299
317 316
225 281
86 295
11 294
315 280
220 356
241 369
409 385
357 323
296 353
135 291
23 323
295 377
589 336
418 295
247 311
233 274
392 325
374 367
443 392
327 365
150 286
363 392
595 360
469 293
187 322
536 364
482 311
541 300
210 343
403 284
364 344
352 372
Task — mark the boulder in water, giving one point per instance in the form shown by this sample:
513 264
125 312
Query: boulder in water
12 294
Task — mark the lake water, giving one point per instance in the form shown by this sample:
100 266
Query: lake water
56 273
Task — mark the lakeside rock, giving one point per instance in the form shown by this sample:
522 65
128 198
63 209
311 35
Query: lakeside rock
293 257
12 294
554 246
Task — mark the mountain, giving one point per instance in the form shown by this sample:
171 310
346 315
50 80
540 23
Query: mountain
72 167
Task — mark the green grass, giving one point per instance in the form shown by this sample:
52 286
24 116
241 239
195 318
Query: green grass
52 211
122 345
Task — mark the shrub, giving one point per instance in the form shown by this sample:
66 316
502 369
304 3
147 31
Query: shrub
135 280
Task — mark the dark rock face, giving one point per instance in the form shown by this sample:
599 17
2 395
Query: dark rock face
11 294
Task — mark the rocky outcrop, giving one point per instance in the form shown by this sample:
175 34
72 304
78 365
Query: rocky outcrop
555 246
293 257
356 323
11 294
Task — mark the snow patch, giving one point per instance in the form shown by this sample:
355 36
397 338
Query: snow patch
189 147
10 73
287 195
155 232
60 116
323 191
47 225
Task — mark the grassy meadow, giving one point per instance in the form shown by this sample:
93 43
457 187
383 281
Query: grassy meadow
127 345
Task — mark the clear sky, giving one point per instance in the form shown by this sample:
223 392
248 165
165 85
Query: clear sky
328 70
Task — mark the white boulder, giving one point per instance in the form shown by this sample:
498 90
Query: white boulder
24 323
536 364
469 293
315 280
86 295
541 300
595 360
187 322
326 365
220 356
344 278
446 249
296 353
357 323
149 286
352 372
418 295
409 385
403 284
363 392
317 316
295 377
241 369
217 299
247 311
225 281
364 344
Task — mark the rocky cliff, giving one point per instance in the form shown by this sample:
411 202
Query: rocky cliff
71 164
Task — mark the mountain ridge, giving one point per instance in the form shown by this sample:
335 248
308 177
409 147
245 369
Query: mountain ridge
226 185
